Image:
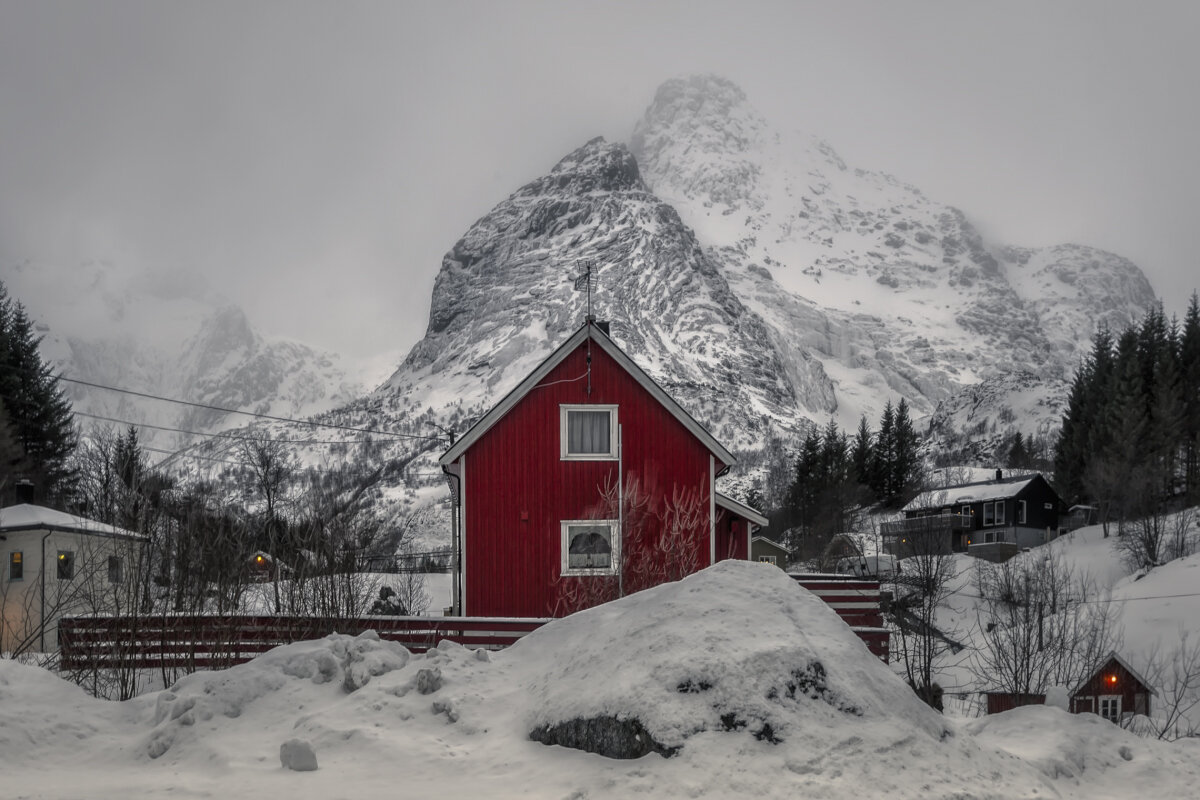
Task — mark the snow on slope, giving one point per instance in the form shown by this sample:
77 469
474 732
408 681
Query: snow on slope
739 627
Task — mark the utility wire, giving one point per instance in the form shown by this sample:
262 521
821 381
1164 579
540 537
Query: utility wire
220 435
224 410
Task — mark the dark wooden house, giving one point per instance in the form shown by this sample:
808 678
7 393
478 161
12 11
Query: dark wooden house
992 519
1115 689
584 482
769 551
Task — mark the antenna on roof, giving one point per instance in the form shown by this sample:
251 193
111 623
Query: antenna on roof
584 282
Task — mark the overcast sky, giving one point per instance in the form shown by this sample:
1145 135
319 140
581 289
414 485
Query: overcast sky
317 160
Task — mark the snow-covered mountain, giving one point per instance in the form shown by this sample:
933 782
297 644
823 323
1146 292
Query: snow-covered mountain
170 336
765 283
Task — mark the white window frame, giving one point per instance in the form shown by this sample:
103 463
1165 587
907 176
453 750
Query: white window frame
613 539
1110 700
998 512
989 515
1022 514
564 412
767 560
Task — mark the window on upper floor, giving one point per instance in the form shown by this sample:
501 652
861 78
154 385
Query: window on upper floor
115 569
16 567
590 547
1000 512
588 433
1020 512
988 514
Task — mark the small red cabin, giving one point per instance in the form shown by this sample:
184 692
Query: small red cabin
584 483
1112 691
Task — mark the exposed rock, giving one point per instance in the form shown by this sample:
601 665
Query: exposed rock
606 736
297 755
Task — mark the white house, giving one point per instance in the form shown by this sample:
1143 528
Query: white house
57 564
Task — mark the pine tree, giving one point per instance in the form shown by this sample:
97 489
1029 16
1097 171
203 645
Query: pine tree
861 454
906 463
884 455
1189 390
38 412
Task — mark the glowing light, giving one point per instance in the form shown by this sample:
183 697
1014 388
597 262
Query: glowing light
1112 678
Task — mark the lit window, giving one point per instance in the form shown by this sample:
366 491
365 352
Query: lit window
589 547
16 568
114 569
66 565
767 559
589 433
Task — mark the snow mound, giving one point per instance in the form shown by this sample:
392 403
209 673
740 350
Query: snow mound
736 647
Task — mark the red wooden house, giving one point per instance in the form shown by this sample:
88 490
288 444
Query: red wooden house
1112 691
584 483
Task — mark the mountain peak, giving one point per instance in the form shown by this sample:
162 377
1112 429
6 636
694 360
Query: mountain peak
598 165
711 113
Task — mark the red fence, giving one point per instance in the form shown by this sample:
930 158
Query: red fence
857 602
214 642
192 642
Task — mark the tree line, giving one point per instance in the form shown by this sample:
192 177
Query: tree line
1130 439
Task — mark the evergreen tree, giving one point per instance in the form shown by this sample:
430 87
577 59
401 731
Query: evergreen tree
1189 390
37 411
884 454
906 461
861 454
1018 453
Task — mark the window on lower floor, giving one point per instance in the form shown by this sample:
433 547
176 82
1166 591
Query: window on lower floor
767 559
114 569
16 567
1110 707
588 433
589 547
66 565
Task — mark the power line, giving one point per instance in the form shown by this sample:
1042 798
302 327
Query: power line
220 435
210 407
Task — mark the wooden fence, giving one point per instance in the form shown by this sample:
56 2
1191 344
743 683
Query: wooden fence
191 642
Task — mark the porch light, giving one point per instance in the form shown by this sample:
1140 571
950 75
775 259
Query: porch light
1112 678
257 559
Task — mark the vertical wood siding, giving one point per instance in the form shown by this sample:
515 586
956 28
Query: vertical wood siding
518 490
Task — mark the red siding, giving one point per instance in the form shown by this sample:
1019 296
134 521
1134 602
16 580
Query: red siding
517 490
1101 684
732 538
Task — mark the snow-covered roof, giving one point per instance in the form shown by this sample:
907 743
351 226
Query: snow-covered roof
970 493
27 517
742 510
588 331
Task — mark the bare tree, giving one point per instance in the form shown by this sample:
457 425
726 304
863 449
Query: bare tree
272 470
1176 679
1042 625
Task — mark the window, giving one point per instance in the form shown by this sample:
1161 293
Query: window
1020 512
767 560
114 569
965 511
66 565
589 547
1110 707
16 568
589 433
988 519
999 513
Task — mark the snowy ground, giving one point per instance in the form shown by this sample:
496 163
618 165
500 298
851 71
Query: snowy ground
720 665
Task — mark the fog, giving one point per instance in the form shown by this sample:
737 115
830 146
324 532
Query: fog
315 161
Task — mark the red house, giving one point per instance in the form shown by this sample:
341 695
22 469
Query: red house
1112 691
584 483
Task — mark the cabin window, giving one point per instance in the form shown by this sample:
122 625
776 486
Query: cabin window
1020 512
16 567
589 433
114 569
988 518
965 512
589 547
1110 707
999 513
767 560
66 565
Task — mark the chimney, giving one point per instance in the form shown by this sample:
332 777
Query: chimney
999 475
24 490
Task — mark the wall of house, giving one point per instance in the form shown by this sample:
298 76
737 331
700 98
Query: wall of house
517 490
88 591
1134 696
732 536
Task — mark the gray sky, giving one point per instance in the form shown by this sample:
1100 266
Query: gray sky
317 160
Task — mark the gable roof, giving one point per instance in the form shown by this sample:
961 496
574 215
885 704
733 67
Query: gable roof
587 331
742 510
27 517
1002 489
1113 656
772 543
